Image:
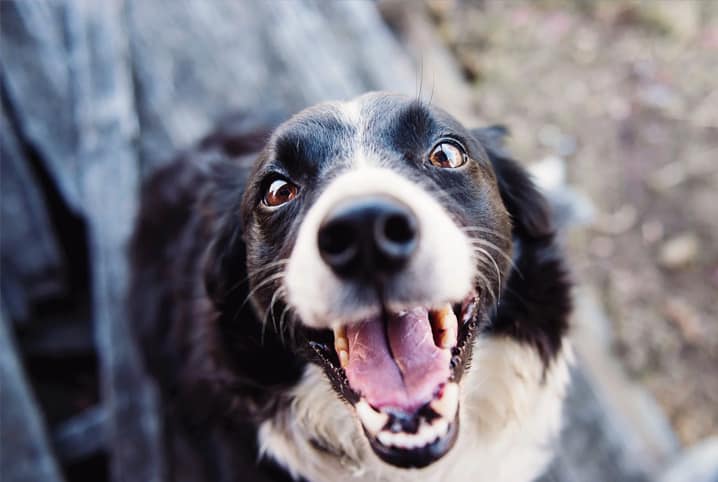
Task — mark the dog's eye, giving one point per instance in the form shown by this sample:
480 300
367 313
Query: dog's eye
447 155
280 192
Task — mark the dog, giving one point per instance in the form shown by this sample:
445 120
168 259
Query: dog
369 291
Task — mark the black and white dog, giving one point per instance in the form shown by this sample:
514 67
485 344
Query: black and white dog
373 290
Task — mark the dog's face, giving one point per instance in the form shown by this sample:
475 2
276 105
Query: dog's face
376 238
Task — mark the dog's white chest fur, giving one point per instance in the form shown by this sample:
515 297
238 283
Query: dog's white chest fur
510 416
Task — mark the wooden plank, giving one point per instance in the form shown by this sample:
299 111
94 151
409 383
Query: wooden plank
33 266
81 436
195 62
67 75
103 107
25 453
39 85
591 448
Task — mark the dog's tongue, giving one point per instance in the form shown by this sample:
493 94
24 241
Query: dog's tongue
397 365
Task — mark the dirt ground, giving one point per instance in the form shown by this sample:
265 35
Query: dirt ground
626 94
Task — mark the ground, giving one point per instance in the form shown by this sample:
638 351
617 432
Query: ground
624 93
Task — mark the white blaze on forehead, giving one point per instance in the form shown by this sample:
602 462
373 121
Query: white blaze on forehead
440 271
353 113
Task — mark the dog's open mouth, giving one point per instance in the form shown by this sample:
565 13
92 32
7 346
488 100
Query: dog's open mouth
401 373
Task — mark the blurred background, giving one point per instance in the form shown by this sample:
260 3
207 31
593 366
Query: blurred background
612 105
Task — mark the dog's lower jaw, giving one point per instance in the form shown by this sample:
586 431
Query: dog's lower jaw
510 415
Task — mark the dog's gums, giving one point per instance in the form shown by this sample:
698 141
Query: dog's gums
401 373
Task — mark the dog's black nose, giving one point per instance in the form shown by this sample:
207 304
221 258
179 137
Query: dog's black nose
368 236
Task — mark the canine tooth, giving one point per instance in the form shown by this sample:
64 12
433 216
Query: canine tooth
343 358
372 420
441 316
434 431
447 404
341 345
446 325
441 426
340 338
447 338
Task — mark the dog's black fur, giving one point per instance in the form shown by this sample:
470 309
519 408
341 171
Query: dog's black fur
216 362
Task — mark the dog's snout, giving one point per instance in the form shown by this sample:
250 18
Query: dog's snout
368 236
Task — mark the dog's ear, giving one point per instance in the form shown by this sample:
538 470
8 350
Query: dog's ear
526 205
536 303
226 257
235 143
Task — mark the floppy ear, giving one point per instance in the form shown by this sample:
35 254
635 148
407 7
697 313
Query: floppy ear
528 207
535 306
224 260
235 142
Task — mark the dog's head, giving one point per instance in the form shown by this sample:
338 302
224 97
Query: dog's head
377 240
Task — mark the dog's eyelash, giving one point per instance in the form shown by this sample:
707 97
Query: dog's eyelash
454 139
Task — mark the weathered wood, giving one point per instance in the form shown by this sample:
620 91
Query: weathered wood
61 336
32 264
197 61
591 448
81 436
39 84
67 75
107 126
25 453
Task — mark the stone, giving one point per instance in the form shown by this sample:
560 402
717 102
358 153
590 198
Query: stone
679 251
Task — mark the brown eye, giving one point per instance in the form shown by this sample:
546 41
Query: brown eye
280 192
447 155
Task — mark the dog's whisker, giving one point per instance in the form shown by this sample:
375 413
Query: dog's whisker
267 267
499 251
486 285
266 281
479 250
481 229
480 243
270 310
286 309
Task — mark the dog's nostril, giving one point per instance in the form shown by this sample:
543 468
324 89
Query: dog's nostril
399 228
395 238
336 238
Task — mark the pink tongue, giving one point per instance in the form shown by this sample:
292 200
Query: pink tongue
400 367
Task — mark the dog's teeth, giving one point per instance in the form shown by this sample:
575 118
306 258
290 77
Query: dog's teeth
425 434
386 438
446 325
448 403
341 345
343 358
340 338
447 338
428 433
402 440
441 426
372 420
